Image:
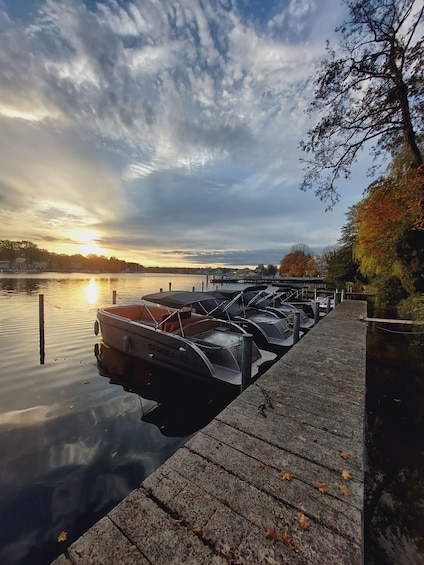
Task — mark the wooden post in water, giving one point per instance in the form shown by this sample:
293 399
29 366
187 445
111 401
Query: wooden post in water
114 297
246 363
41 327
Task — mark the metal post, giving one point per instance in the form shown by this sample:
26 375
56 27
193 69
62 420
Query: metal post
337 298
203 286
41 327
316 313
114 297
296 327
169 286
246 365
328 305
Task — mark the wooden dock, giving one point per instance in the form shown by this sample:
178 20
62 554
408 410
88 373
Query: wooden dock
276 478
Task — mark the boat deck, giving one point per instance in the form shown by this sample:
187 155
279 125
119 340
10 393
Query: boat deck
277 477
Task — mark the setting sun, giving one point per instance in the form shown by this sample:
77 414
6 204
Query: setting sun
90 248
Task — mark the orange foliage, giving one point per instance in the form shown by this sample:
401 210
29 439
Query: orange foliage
298 264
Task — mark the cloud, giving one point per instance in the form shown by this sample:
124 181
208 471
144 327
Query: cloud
161 125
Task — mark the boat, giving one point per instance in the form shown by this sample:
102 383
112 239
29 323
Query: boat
180 340
270 331
258 297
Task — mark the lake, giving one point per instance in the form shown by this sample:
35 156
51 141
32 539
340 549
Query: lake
76 436
72 443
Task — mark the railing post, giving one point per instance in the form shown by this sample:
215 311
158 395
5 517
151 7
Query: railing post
114 297
246 364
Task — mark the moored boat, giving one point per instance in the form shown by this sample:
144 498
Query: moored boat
180 340
270 331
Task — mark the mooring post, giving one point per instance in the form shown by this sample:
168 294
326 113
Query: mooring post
296 327
114 297
337 298
246 364
316 313
203 286
41 327
169 286
328 305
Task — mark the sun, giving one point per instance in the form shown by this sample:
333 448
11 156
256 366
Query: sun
90 248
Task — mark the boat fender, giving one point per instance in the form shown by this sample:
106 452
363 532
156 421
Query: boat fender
126 343
96 327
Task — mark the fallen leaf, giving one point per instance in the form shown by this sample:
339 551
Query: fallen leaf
344 490
196 530
302 439
271 534
303 421
303 520
63 536
322 487
286 476
344 455
346 475
226 502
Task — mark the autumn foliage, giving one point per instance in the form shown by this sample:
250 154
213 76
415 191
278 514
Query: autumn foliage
389 219
298 263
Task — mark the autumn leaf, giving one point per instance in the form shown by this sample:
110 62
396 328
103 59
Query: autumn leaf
271 534
322 487
303 421
344 455
286 476
303 520
226 502
344 490
346 475
302 439
63 536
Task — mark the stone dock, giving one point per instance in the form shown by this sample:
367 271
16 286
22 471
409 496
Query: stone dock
277 477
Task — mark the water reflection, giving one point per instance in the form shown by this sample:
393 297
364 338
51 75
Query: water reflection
177 406
394 510
92 291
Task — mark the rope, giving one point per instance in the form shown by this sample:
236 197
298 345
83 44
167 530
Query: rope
398 332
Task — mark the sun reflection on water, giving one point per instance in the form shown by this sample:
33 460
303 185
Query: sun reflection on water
92 291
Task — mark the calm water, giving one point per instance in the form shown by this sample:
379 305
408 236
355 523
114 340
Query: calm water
74 442
394 510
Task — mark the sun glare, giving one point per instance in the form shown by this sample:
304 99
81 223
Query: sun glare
90 248
92 291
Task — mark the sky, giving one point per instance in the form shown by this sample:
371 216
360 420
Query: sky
164 132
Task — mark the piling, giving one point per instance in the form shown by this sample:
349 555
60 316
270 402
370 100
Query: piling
246 367
41 327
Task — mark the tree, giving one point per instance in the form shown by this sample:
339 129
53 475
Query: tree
298 263
390 235
371 95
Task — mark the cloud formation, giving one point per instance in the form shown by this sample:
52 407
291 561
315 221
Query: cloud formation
165 131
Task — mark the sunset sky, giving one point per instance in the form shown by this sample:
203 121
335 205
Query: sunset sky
163 132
